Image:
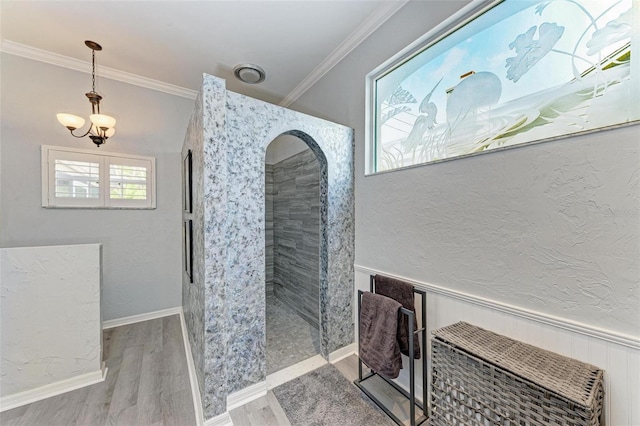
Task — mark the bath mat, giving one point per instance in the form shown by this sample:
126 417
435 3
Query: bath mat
324 397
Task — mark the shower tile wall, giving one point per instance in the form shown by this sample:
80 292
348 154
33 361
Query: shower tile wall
268 228
296 234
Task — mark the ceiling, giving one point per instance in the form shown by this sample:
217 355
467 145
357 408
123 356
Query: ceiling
176 41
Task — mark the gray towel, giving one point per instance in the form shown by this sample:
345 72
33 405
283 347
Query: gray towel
403 293
378 334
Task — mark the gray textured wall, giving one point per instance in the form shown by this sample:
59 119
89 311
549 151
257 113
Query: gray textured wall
296 234
141 259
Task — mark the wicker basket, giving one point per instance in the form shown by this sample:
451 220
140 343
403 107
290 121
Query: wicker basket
482 378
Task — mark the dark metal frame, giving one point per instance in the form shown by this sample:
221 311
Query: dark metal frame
187 182
188 248
411 395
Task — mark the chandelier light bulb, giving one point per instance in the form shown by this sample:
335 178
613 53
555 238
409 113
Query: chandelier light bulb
70 121
102 121
99 132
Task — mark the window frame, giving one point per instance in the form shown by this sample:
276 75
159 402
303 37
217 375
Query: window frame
630 114
105 159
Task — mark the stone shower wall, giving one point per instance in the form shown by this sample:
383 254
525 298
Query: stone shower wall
203 301
296 234
193 293
226 303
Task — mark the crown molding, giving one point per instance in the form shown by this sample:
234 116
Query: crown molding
35 54
364 30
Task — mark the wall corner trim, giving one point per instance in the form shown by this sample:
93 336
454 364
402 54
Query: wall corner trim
223 419
563 323
246 395
141 317
353 40
53 389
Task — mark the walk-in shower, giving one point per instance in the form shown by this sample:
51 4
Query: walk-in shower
292 261
224 300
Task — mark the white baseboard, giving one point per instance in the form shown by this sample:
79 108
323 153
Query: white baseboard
193 378
53 389
142 317
287 374
223 419
246 395
584 329
342 353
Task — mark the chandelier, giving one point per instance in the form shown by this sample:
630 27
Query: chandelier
102 126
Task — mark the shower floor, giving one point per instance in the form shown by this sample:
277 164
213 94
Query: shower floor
290 339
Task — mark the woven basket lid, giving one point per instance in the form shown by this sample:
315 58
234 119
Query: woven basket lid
566 377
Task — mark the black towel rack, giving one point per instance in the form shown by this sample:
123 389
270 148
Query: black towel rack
411 395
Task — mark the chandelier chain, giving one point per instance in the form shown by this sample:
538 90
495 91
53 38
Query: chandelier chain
93 71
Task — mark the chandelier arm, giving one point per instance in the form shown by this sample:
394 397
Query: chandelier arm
77 136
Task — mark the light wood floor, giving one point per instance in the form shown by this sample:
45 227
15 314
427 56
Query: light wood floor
147 384
265 411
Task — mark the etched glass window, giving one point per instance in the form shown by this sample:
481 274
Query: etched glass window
517 72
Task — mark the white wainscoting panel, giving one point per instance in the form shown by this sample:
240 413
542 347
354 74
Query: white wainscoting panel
620 360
